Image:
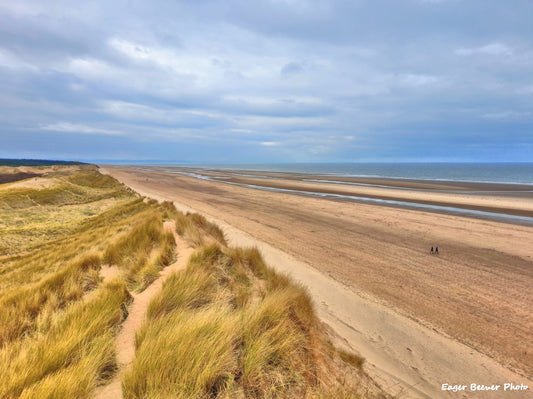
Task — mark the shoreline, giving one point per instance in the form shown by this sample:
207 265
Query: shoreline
395 351
493 201
405 182
340 170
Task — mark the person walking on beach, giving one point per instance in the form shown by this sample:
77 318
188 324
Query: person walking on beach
436 250
431 252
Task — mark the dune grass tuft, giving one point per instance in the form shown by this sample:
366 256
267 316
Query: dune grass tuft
139 240
142 252
82 334
229 326
20 309
186 355
197 230
352 359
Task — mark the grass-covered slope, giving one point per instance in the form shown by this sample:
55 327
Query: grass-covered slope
51 206
57 317
228 326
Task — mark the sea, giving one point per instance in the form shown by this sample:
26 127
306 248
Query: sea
518 173
505 173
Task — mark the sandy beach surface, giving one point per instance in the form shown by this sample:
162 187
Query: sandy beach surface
461 317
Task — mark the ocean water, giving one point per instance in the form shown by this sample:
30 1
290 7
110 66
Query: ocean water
520 173
466 172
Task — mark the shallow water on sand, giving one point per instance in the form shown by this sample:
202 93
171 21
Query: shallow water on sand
471 172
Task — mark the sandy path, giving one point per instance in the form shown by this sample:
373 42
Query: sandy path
125 340
404 356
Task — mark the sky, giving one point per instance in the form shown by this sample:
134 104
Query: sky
240 81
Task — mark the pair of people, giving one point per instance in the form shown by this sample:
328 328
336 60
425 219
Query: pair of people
436 251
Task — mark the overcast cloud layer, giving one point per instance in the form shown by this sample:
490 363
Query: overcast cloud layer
267 81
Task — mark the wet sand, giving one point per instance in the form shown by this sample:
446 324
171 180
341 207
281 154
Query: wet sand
476 291
490 198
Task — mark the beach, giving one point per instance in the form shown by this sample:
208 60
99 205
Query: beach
420 320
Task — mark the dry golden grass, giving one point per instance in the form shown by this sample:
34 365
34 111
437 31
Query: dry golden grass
31 215
228 326
47 278
192 356
162 256
351 358
21 309
93 236
197 230
74 354
57 319
142 252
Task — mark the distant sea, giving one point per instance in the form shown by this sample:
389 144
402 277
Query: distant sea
520 173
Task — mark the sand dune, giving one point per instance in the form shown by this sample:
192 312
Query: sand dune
125 340
420 320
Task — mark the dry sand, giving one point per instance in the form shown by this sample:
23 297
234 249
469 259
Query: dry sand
420 320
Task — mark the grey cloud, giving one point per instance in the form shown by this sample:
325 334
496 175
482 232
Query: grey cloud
291 68
299 77
79 129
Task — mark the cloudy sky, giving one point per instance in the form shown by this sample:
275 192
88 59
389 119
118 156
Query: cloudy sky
267 80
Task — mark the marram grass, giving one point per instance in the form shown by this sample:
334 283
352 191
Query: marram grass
80 339
58 320
230 327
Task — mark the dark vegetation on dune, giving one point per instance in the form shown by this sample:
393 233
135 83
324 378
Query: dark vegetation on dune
35 162
11 177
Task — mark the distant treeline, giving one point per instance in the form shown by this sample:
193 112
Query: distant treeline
35 162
